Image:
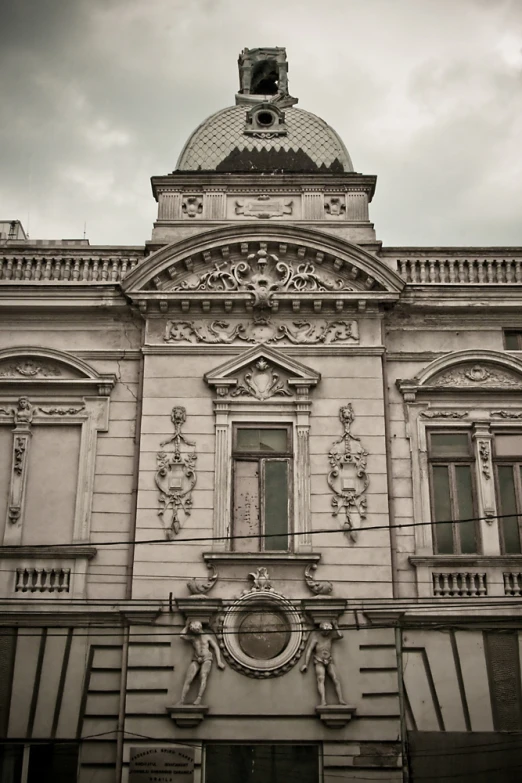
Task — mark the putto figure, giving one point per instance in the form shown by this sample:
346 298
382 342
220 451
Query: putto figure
320 646
204 646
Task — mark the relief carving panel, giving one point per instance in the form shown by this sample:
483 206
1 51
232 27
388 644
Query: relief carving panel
263 330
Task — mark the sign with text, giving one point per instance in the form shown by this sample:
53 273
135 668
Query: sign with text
162 765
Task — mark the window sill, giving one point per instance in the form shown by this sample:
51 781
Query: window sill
48 552
260 557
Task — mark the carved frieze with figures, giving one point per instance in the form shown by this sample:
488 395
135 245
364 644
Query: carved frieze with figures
263 330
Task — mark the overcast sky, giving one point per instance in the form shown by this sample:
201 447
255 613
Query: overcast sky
99 95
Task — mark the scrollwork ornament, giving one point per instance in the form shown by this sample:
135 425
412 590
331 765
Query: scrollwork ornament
175 476
262 275
200 587
503 414
347 477
314 585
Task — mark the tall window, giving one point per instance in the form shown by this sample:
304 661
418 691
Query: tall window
508 469
452 493
262 475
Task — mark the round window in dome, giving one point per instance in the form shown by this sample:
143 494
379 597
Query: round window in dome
265 118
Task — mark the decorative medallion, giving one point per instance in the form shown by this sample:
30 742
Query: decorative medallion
192 206
347 477
175 476
262 633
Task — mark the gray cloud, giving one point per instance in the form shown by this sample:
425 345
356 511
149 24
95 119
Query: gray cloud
98 95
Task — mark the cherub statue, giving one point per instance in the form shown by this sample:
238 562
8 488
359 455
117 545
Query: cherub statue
320 646
204 646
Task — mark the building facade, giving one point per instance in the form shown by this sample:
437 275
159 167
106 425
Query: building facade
261 481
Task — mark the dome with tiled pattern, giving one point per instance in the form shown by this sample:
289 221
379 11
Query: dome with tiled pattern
221 144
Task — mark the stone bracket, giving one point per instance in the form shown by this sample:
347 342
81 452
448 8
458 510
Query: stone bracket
335 716
187 716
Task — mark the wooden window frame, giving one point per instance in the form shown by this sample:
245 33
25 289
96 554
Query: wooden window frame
286 456
513 462
470 461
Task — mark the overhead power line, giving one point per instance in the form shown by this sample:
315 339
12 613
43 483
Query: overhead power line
258 536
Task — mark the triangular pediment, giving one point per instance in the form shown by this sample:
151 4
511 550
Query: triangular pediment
262 373
260 266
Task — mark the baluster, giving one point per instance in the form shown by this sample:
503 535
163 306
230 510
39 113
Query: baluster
28 269
56 269
518 271
38 269
489 266
432 276
422 270
508 267
47 270
436 584
446 586
76 270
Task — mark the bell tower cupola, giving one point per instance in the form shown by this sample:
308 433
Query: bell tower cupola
263 76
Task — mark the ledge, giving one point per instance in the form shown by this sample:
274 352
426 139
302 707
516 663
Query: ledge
261 557
335 716
466 561
70 552
187 716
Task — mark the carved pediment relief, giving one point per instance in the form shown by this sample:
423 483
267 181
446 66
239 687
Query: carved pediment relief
466 371
262 374
260 268
30 366
477 376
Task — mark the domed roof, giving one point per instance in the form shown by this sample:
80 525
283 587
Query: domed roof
220 143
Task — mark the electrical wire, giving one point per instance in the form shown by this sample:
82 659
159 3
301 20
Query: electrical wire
257 536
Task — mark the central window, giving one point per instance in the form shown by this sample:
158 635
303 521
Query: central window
262 477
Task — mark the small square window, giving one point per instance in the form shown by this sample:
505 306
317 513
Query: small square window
513 340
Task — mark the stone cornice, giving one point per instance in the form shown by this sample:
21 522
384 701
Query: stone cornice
207 181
